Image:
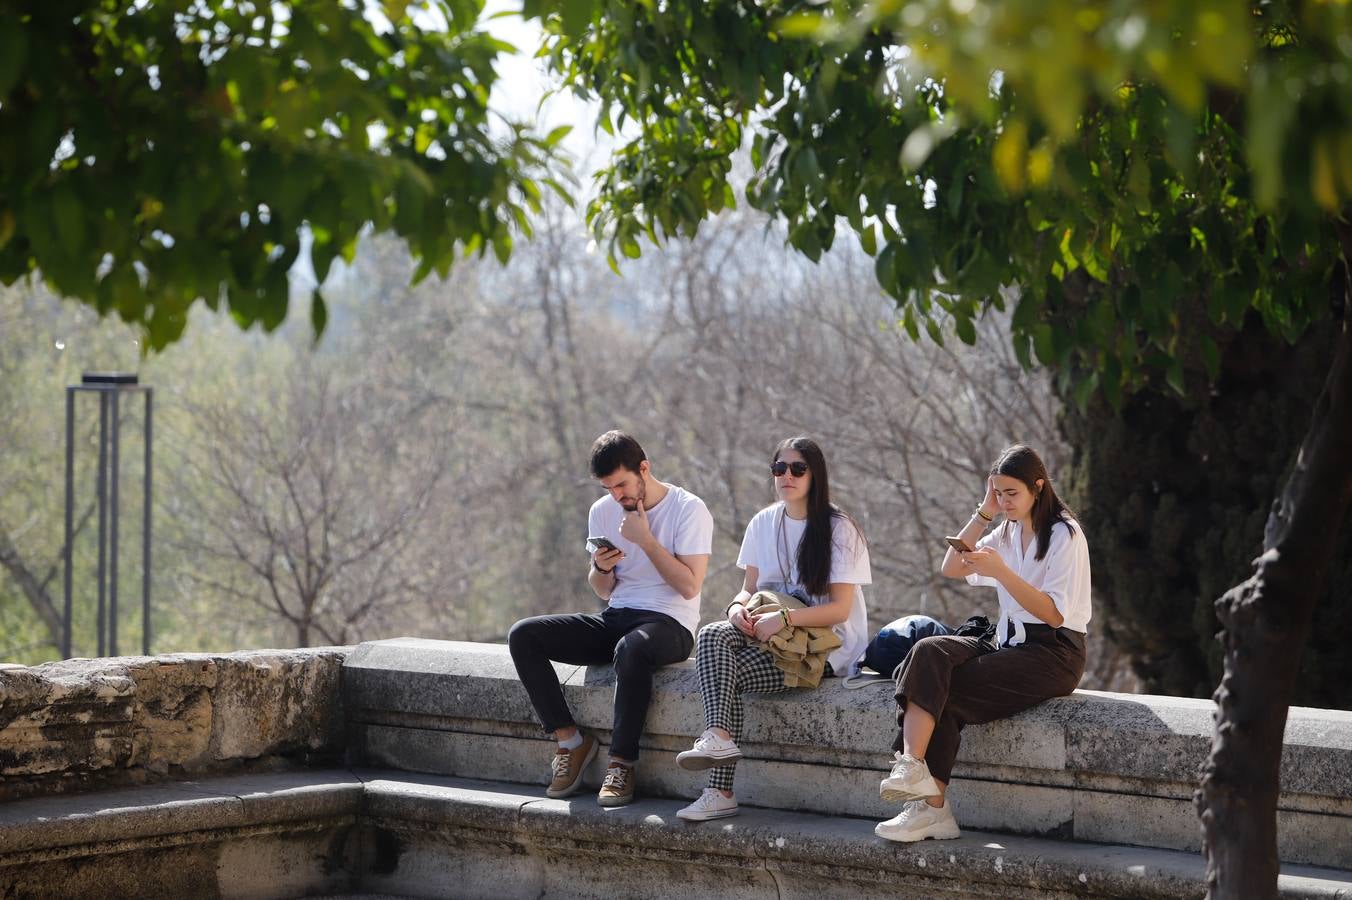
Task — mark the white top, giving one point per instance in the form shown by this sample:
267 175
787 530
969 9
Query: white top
1063 575
682 524
771 545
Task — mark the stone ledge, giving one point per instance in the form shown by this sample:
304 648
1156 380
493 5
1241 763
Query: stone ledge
281 835
90 723
385 833
510 842
1094 766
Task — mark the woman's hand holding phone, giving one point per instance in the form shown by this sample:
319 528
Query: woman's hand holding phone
985 562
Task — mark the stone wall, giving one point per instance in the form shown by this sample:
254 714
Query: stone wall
86 723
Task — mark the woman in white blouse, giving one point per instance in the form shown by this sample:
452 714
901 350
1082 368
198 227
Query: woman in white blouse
1038 562
804 546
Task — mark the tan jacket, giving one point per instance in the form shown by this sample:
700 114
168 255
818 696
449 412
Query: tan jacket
799 650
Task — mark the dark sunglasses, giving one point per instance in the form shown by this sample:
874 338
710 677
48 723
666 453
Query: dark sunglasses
779 467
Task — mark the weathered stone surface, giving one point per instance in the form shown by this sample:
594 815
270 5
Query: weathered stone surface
84 723
381 833
468 836
415 677
1093 766
276 701
285 835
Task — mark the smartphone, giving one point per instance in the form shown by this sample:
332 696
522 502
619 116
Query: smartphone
595 544
957 544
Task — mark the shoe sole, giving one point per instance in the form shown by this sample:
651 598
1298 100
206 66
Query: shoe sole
612 802
704 817
577 782
895 792
699 761
937 832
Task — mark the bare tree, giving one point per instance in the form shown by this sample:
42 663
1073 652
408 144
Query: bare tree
309 514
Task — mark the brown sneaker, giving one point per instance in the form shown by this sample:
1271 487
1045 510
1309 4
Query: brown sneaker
618 787
568 766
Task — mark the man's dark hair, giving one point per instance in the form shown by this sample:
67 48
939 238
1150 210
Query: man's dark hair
615 449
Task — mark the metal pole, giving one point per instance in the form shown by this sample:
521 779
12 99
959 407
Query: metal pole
145 540
115 514
103 518
70 519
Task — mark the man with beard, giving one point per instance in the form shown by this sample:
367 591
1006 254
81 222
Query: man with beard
649 544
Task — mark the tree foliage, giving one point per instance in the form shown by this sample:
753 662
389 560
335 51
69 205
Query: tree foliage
157 154
1121 164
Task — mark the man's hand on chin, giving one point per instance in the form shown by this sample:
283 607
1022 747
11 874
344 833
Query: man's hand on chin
635 527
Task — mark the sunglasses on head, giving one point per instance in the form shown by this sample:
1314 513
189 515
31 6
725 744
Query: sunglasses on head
779 467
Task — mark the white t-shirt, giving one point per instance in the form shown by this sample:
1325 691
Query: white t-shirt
1063 575
771 545
682 524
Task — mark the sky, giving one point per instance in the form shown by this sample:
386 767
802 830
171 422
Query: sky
523 83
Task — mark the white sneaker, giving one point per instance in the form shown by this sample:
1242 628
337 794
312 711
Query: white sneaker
710 805
917 821
910 780
709 751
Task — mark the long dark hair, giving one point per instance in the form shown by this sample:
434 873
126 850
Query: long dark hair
1023 463
814 553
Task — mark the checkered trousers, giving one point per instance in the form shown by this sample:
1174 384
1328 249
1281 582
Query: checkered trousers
728 665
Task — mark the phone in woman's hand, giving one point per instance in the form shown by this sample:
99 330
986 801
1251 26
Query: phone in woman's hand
957 544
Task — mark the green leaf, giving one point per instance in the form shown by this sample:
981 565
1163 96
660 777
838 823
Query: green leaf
1084 389
1173 374
936 334
966 330
319 315
1211 357
868 239
69 218
1042 343
552 139
805 168
502 246
13 50
576 15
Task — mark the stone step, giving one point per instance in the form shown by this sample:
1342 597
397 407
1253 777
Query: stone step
272 835
1096 767
431 836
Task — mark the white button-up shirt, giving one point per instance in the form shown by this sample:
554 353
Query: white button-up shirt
1062 574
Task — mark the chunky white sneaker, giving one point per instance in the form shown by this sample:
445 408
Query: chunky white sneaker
710 805
709 751
910 780
917 821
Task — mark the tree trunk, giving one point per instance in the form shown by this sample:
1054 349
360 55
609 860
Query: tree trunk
1266 622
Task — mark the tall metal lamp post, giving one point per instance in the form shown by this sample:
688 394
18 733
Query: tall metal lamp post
110 388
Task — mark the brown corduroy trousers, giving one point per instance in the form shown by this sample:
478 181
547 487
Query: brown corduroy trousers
960 683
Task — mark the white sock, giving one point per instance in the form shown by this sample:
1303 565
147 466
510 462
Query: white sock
573 742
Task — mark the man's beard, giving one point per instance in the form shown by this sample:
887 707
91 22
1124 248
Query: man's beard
642 495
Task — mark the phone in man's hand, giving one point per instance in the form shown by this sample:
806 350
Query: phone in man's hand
957 544
597 544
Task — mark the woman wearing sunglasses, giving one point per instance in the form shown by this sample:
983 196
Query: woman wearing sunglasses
804 546
1038 562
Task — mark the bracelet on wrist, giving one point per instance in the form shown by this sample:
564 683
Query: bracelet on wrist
982 513
609 571
784 613
727 609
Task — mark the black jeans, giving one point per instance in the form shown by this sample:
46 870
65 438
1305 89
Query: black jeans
637 641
